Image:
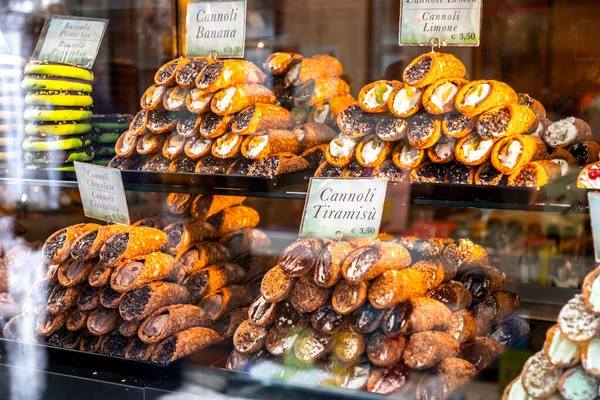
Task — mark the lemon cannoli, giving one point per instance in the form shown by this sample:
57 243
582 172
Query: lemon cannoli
443 151
374 97
504 121
259 117
355 122
197 147
424 130
318 90
315 67
564 160
406 156
153 97
511 153
473 150
341 150
371 151
535 174
227 146
390 128
225 73
456 125
174 98
236 98
585 152
270 142
405 100
328 111
313 134
280 63
477 97
439 97
431 67
198 101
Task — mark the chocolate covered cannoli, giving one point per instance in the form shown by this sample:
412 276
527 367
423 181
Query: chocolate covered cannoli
355 122
57 246
426 349
316 91
492 310
480 352
306 296
47 323
221 74
511 153
481 280
385 351
62 298
567 132
185 233
327 321
234 218
367 319
153 97
249 337
100 275
114 344
211 279
73 272
138 350
226 299
466 254
278 164
102 321
315 67
416 315
463 326
169 320
347 297
156 163
138 271
299 258
511 330
185 75
431 67
88 245
270 142
126 245
366 263
480 96
389 380
449 375
76 319
262 312
279 63
214 126
141 302
453 295
539 377
183 343
65 339
585 152
198 101
328 266
276 286
311 345
128 328
90 343
348 345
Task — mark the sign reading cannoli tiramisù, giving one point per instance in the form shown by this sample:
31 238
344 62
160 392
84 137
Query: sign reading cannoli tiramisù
70 40
102 193
216 28
440 22
350 207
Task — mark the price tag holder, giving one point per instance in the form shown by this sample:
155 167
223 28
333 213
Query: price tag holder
216 28
594 203
70 40
102 193
338 207
440 22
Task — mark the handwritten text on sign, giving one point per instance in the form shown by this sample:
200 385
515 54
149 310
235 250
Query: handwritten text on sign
216 28
70 40
346 207
102 193
447 22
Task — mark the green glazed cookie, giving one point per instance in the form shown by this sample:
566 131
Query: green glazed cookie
57 69
41 114
112 122
61 99
106 137
42 82
52 143
60 157
64 129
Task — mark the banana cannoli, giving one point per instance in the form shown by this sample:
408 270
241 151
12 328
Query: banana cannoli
173 146
139 303
139 123
404 100
341 151
88 298
424 130
233 218
577 383
153 97
185 75
318 90
110 298
102 321
73 272
236 98
149 143
390 128
443 151
169 320
416 315
299 258
47 323
165 76
480 352
591 290
328 266
486 174
511 153
428 172
138 350
223 74
90 343
227 146
205 206
179 203
508 120
279 63
100 275
312 346
126 245
585 152
315 67
198 101
355 122
213 125
328 111
313 134
406 156
348 345
270 142
278 164
458 173
449 375
366 263
262 312
431 67
577 322
138 271
567 132
326 170
347 297
395 286
481 280
275 286
373 97
189 125
260 117
211 279
161 121
457 125
226 299
57 247
327 321
114 344
389 381
439 97
561 352
453 295
61 299
184 233
65 339
174 98
88 245
477 97
201 255
307 297
128 328
371 151
535 174
249 337
426 349
539 377
197 147
463 326
184 343
473 150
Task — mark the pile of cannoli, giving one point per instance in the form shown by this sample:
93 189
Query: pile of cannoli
437 127
568 367
211 116
158 290
385 315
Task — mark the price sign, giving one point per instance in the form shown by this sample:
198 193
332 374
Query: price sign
594 202
440 22
343 207
102 193
70 40
216 28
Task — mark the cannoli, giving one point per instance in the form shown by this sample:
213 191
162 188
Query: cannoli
57 246
139 303
511 153
88 245
347 297
100 275
315 67
539 127
270 142
440 96
174 98
434 247
233 218
404 100
201 255
65 339
226 299
367 319
538 109
260 117
278 164
114 344
385 351
355 170
279 343
110 298
165 76
492 310
198 147
299 258
102 321
236 98
156 163
138 271
262 312
426 349
453 295
88 298
161 121
367 263
466 254
341 151
62 298
186 74
424 130
128 328
245 241
416 315
511 329
182 164
152 97
458 173
169 320
184 233
306 296
241 166
328 111
313 134
126 163
431 67
316 91
214 126
179 203
198 101
585 152
279 63
567 132
486 174
138 350
189 125
535 174
154 221
539 377
473 150
227 326
373 97
212 165
326 170
481 280
89 343
73 272
390 128
456 125
477 97
407 157
577 383
463 326
561 352
249 337
449 375
139 123
590 353
327 321
428 172
564 160
311 345
126 245
443 151
348 345
509 120
225 73
371 152
578 323
328 266
47 323
480 352
172 146
591 290
355 122
211 279
390 380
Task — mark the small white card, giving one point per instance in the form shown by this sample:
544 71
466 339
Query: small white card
3 45
216 28
337 207
594 204
102 193
440 22
70 40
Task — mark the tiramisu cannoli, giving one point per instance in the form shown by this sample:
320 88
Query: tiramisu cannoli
139 123
174 98
453 295
278 164
102 321
299 258
259 117
169 320
356 122
373 97
366 263
389 170
220 303
341 150
488 175
185 75
477 97
208 280
416 315
424 130
535 174
404 100
222 74
371 151
57 247
390 128
153 97
473 150
165 76
456 125
47 323
270 142
312 345
428 172
173 146
125 245
198 101
567 132
249 337
88 245
184 233
449 375
511 153
184 343
138 271
443 151
585 152
315 67
161 121
406 156
238 97
429 68
306 296
141 302
318 90
539 377
73 272
279 63
466 254
347 297
439 97
426 349
509 120
561 352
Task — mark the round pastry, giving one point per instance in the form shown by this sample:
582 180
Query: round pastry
71 128
577 384
34 82
60 157
105 137
41 114
540 378
578 323
111 122
57 69
559 350
52 143
56 98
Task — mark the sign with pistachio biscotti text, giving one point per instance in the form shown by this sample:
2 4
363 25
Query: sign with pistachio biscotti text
216 28
440 22
70 40
594 203
102 193
337 207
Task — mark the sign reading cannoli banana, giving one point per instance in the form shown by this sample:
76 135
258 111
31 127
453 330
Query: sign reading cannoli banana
440 22
216 28
70 40
102 193
343 207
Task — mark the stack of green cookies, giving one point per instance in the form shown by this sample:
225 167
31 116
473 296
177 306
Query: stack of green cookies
107 129
58 115
11 108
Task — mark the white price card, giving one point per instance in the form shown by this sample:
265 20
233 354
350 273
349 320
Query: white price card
216 28
594 203
440 22
102 193
3 45
70 40
337 207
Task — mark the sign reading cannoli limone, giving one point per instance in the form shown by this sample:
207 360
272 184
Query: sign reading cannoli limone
70 40
337 207
102 193
440 22
216 28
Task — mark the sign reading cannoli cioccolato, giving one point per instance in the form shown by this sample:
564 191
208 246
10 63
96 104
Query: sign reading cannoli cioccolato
70 40
350 207
440 22
216 28
102 193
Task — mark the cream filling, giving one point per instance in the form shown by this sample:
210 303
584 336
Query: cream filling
579 385
348 144
403 103
200 146
444 149
474 154
202 101
538 130
371 97
147 144
563 164
562 350
595 296
592 359
127 144
370 152
509 158
476 97
293 73
409 154
174 144
227 73
562 131
172 103
277 57
590 183
517 391
320 115
255 149
224 101
158 93
227 145
438 96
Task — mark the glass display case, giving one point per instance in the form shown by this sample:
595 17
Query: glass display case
481 282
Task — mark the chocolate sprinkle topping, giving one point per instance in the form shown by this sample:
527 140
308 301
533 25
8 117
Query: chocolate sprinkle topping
82 247
213 165
418 70
315 157
456 122
493 124
421 126
242 120
459 173
211 72
265 167
167 71
135 302
55 244
64 338
433 173
115 345
240 167
167 350
185 164
210 123
137 350
189 71
391 127
331 171
490 175
113 249
354 119
580 152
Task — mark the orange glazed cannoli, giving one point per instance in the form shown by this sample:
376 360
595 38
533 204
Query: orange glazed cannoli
439 97
374 96
473 150
535 174
429 68
480 96
405 100
125 245
259 117
233 218
512 152
505 121
273 141
236 98
279 63
315 67
372 152
225 73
